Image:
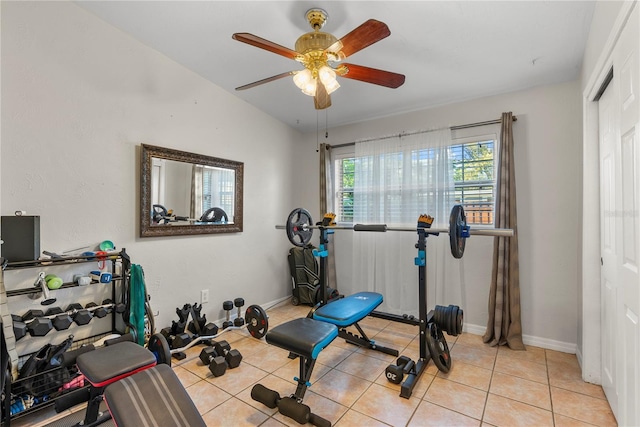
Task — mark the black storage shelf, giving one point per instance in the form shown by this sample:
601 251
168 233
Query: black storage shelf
14 390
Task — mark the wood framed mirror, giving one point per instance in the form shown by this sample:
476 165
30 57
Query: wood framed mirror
184 193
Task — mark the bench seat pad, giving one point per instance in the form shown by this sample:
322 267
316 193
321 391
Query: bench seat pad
304 337
153 397
105 365
349 310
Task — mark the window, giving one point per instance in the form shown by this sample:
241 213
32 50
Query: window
473 175
218 189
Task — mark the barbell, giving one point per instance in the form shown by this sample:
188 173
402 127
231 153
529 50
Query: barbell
300 228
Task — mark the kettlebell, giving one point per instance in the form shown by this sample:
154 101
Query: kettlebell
53 281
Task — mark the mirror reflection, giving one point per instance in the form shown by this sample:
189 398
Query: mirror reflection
187 193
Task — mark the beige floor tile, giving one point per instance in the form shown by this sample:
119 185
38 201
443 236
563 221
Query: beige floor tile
483 357
526 391
397 340
580 407
457 397
249 345
186 377
341 387
501 411
404 328
268 360
569 377
356 419
559 356
522 368
430 415
272 422
471 340
206 396
234 412
326 408
236 380
374 322
470 375
531 354
562 421
362 366
395 411
333 355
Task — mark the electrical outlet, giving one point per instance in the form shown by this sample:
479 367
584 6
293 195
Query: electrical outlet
204 296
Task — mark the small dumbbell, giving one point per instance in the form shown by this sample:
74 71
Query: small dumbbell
227 306
239 320
395 373
232 357
217 364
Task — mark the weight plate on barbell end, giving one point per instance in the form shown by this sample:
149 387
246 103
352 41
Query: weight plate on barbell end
257 321
457 220
296 232
438 348
159 346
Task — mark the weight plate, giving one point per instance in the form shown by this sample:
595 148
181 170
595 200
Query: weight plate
159 346
159 213
457 220
257 321
438 348
297 227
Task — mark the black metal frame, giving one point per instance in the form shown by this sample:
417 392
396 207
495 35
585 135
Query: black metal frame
424 317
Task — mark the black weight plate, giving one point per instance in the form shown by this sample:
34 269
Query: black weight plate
457 220
438 348
159 346
297 232
257 321
459 321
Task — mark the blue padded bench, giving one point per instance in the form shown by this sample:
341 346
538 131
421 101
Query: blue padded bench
304 338
348 311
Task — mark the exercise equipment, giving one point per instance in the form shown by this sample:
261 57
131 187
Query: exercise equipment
43 290
350 309
300 228
217 365
255 321
239 303
227 306
164 399
162 215
311 337
232 357
395 373
38 323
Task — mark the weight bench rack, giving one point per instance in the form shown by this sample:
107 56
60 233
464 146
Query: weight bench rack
348 311
303 338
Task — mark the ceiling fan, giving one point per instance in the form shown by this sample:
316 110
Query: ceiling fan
318 51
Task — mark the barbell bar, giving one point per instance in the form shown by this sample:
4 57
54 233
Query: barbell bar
300 228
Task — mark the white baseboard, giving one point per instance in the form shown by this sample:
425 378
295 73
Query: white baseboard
265 306
549 344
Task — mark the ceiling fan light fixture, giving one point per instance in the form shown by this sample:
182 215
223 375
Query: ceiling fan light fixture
305 81
328 78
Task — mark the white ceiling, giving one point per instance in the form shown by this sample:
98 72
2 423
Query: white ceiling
449 51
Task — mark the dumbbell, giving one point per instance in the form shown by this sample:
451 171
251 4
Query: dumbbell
395 373
238 321
80 315
36 326
217 364
227 306
232 357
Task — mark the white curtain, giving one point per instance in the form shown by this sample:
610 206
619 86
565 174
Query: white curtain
196 191
397 180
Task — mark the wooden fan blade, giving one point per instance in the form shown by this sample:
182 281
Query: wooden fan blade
265 44
322 99
371 75
365 35
267 80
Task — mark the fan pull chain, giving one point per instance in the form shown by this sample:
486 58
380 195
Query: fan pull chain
317 131
326 124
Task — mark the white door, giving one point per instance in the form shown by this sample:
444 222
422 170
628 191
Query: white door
620 227
628 69
608 242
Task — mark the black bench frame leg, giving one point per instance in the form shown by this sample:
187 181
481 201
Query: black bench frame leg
92 415
364 341
306 368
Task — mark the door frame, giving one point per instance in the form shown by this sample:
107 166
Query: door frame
589 324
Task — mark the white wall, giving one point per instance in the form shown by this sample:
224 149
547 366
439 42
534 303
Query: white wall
78 98
547 154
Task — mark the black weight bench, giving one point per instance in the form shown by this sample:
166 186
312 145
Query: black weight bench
152 397
348 311
304 338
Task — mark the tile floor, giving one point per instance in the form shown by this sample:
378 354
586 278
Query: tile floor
485 387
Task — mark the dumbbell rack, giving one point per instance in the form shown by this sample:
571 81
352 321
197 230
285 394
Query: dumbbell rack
114 258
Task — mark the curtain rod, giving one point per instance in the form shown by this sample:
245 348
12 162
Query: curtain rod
457 127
